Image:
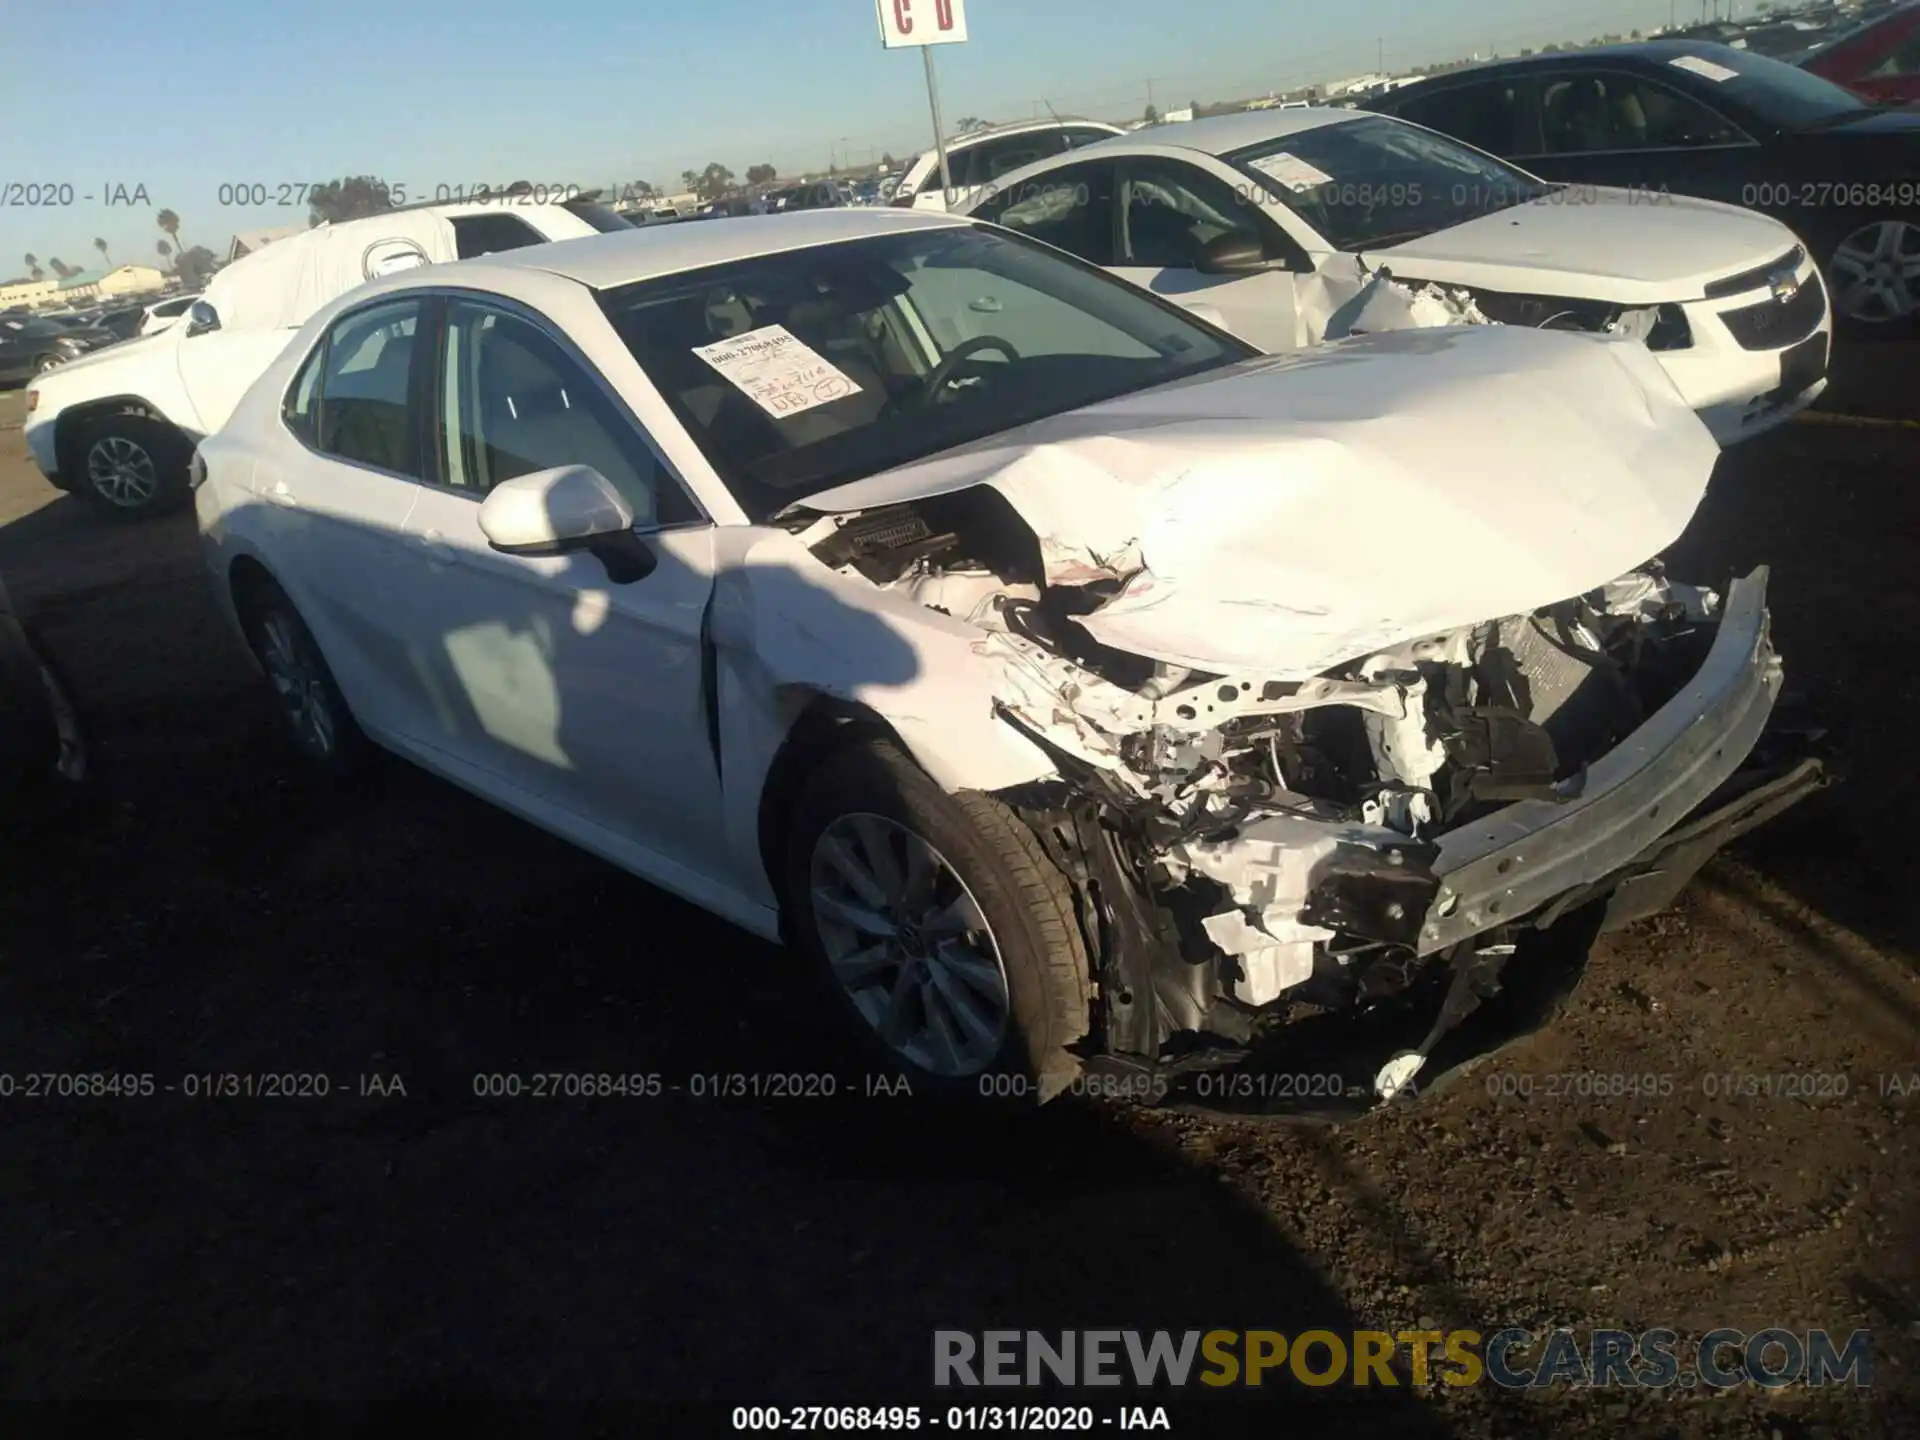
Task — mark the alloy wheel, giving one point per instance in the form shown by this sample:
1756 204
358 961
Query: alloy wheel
46 363
299 684
1876 272
910 945
122 472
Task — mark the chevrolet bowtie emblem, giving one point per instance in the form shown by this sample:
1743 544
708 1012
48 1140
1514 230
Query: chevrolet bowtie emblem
1784 284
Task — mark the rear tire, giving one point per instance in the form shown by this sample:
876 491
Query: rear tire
948 936
132 466
312 712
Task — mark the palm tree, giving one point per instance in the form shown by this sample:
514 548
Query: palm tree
59 267
163 249
34 272
689 179
170 222
101 246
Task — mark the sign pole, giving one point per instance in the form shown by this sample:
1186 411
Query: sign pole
939 130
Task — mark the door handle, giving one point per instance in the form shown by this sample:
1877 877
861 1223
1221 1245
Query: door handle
282 496
438 551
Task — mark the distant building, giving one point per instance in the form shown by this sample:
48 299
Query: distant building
82 285
1175 117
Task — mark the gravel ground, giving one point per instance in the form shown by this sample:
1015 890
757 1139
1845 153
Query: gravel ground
211 910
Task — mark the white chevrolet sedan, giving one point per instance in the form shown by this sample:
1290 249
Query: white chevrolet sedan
1067 682
1278 221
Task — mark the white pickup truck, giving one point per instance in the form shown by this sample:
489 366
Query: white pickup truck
119 427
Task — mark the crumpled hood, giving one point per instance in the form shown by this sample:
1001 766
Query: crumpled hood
1289 514
1613 245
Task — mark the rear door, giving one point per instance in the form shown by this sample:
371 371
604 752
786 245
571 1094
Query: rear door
334 504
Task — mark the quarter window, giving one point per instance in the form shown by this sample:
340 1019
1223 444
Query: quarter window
364 383
512 402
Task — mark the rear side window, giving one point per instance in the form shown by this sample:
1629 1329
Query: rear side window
366 377
485 234
1487 117
301 412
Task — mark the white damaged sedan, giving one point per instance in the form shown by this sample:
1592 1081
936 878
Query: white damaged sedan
1075 688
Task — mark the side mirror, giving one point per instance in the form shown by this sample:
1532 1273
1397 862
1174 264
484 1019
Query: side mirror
563 510
202 317
1232 254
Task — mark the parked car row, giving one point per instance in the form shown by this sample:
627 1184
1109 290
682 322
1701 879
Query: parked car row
1282 223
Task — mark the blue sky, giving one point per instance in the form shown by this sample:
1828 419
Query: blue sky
192 94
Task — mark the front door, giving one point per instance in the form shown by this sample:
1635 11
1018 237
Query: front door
1169 211
575 692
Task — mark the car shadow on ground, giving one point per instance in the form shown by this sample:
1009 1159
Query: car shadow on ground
212 911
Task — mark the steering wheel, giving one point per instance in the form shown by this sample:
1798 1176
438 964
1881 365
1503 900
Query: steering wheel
937 380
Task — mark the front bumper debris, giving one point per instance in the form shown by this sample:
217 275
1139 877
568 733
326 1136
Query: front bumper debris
1528 854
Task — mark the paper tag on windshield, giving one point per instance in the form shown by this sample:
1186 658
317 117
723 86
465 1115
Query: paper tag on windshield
1291 171
1719 74
775 370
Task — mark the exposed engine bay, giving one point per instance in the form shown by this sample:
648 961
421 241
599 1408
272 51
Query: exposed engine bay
1250 847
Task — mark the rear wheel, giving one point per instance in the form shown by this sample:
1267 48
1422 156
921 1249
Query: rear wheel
312 712
43 363
948 936
133 465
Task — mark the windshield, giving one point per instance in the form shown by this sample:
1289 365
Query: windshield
801 371
1783 95
1379 181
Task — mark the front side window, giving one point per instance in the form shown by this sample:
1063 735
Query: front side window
1587 113
799 371
1376 181
1071 207
513 402
1172 211
365 380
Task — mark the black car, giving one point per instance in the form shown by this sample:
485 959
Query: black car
29 345
1688 118
43 746
124 323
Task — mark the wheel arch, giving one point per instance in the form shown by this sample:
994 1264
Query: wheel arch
73 420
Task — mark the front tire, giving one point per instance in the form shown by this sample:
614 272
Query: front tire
1873 273
312 712
132 465
948 936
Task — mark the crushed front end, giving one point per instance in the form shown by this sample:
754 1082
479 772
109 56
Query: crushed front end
1370 856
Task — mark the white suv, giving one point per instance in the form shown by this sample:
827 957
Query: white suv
980 157
118 428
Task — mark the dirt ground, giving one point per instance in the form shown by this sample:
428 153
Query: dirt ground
613 1262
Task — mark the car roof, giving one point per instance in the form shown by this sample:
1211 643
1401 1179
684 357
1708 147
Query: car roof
1224 134
1646 52
622 257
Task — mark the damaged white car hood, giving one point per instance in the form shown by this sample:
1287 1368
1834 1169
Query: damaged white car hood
1599 243
1290 514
